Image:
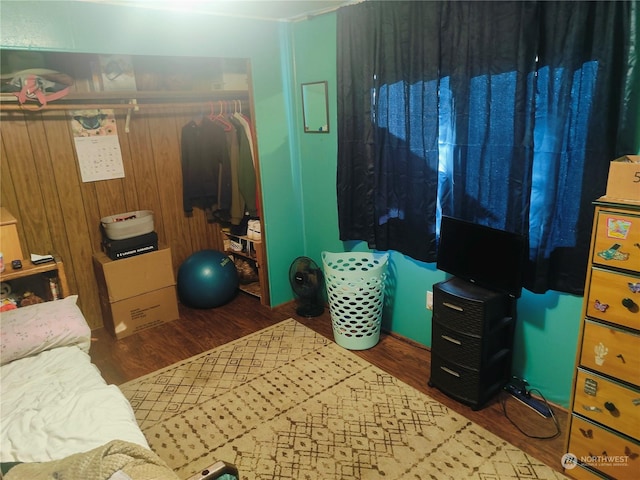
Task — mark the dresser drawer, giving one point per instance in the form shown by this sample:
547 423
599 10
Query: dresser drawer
468 308
611 351
614 297
469 385
456 347
469 351
616 237
609 403
9 239
604 450
580 472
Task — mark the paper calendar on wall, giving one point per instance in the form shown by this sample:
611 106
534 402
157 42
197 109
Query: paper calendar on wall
97 146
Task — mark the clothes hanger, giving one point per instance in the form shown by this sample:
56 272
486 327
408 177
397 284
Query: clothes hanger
238 113
220 118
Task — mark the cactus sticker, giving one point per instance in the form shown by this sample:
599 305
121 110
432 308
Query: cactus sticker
601 352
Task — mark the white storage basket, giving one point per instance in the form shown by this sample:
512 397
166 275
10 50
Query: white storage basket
355 283
128 225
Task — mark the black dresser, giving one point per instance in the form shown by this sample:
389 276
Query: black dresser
472 341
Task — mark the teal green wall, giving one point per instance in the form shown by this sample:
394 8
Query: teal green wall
298 170
547 328
314 59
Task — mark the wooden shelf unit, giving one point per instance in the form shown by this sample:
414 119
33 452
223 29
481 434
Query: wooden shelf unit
29 270
9 238
253 251
166 81
11 249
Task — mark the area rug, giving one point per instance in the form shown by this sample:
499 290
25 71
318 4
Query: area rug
287 403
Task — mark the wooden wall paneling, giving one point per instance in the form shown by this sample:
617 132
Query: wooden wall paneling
82 260
111 200
130 180
90 212
77 201
53 238
205 235
31 212
144 168
166 151
8 195
91 208
112 194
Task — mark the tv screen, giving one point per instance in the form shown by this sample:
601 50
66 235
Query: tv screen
486 256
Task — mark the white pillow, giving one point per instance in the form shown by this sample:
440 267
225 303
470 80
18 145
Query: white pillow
29 330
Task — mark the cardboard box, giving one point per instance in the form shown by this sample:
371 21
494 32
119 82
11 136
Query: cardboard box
136 293
231 81
134 314
624 178
129 277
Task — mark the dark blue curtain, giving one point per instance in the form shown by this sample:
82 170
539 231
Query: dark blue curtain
501 113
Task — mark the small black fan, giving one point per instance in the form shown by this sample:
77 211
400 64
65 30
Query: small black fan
307 283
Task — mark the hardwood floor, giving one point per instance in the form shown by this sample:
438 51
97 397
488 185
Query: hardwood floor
200 330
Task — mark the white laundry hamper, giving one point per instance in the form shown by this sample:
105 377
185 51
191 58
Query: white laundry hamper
355 283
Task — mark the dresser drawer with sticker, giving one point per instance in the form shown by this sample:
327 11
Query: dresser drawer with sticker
611 351
610 403
617 242
581 472
615 297
603 450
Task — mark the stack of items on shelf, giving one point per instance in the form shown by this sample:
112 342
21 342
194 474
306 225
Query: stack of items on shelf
249 227
128 234
247 273
246 261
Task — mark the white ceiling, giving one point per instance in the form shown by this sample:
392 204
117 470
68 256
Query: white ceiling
283 10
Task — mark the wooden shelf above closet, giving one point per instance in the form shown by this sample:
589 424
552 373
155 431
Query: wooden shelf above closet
133 100
144 95
155 81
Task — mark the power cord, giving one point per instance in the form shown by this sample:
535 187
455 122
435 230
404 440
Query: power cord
522 384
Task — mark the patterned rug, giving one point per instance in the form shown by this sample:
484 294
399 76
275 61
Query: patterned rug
286 403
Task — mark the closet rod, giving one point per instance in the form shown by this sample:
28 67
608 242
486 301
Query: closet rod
226 105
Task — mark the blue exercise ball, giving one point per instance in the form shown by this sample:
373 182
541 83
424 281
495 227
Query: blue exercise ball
207 279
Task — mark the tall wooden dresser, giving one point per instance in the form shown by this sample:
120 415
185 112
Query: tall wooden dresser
604 430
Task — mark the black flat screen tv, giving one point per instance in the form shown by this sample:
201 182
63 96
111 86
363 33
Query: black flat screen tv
486 256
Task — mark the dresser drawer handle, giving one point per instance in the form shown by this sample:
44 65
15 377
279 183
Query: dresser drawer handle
590 408
452 306
450 372
450 339
630 305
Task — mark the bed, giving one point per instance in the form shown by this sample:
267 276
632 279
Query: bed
57 413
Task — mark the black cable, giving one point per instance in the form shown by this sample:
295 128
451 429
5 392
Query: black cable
553 417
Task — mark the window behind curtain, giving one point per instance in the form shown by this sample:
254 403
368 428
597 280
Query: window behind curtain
501 113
